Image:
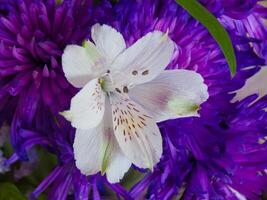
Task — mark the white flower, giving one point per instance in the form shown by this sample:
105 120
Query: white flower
125 91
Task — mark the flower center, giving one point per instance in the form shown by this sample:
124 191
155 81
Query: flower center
107 84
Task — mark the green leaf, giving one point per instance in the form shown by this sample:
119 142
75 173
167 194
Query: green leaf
9 191
131 178
201 14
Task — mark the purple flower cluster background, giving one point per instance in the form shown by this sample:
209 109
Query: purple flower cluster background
220 155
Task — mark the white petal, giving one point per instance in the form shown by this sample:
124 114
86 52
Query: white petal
87 106
108 41
81 64
144 60
91 145
87 150
119 164
114 163
97 150
254 85
137 133
173 94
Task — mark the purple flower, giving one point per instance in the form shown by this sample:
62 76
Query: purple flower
253 28
200 161
33 36
220 160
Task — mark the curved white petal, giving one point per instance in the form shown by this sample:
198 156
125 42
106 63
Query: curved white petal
137 133
87 106
81 64
254 85
173 94
87 150
144 60
118 165
97 150
114 163
94 152
108 41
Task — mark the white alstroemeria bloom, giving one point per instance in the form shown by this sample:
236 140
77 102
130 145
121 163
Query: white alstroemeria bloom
125 92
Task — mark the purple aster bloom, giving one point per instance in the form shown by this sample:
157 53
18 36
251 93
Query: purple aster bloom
251 28
33 36
221 158
199 160
208 159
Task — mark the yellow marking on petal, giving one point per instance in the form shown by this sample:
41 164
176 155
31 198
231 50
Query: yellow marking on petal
92 52
101 82
182 107
85 43
90 48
